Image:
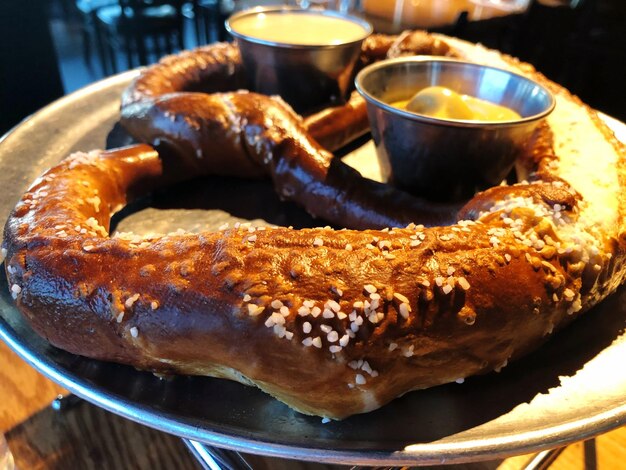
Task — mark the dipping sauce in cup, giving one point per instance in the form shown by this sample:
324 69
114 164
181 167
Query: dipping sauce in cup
297 28
449 156
305 56
441 102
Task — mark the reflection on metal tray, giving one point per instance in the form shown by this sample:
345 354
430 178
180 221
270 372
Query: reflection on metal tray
572 388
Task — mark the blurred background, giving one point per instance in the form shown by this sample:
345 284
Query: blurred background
49 48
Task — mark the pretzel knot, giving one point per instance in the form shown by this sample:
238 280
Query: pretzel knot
331 322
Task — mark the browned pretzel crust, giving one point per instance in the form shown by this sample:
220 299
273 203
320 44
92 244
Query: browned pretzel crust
168 106
332 322
218 68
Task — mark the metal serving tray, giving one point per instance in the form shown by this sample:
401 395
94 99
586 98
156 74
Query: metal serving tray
571 389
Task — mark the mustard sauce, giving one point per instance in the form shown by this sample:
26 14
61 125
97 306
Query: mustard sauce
299 28
443 103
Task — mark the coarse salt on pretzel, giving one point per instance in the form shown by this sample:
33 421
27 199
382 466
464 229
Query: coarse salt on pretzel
331 322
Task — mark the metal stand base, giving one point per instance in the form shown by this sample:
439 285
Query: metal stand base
212 458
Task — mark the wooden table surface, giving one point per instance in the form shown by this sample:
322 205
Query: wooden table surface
25 396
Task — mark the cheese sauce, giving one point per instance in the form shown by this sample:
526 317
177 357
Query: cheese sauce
308 29
443 103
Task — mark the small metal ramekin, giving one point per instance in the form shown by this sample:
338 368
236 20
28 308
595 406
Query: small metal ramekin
308 77
448 159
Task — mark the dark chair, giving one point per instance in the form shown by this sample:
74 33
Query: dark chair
85 11
209 20
143 30
210 16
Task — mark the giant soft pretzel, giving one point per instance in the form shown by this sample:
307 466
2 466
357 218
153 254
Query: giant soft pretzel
332 322
163 107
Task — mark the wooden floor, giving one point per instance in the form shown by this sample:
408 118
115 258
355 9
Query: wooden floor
87 437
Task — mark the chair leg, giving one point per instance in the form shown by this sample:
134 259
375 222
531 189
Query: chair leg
197 22
180 40
156 46
102 48
211 20
86 39
112 58
204 30
130 45
141 51
222 34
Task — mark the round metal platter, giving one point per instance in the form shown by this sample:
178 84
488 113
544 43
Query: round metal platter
573 388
